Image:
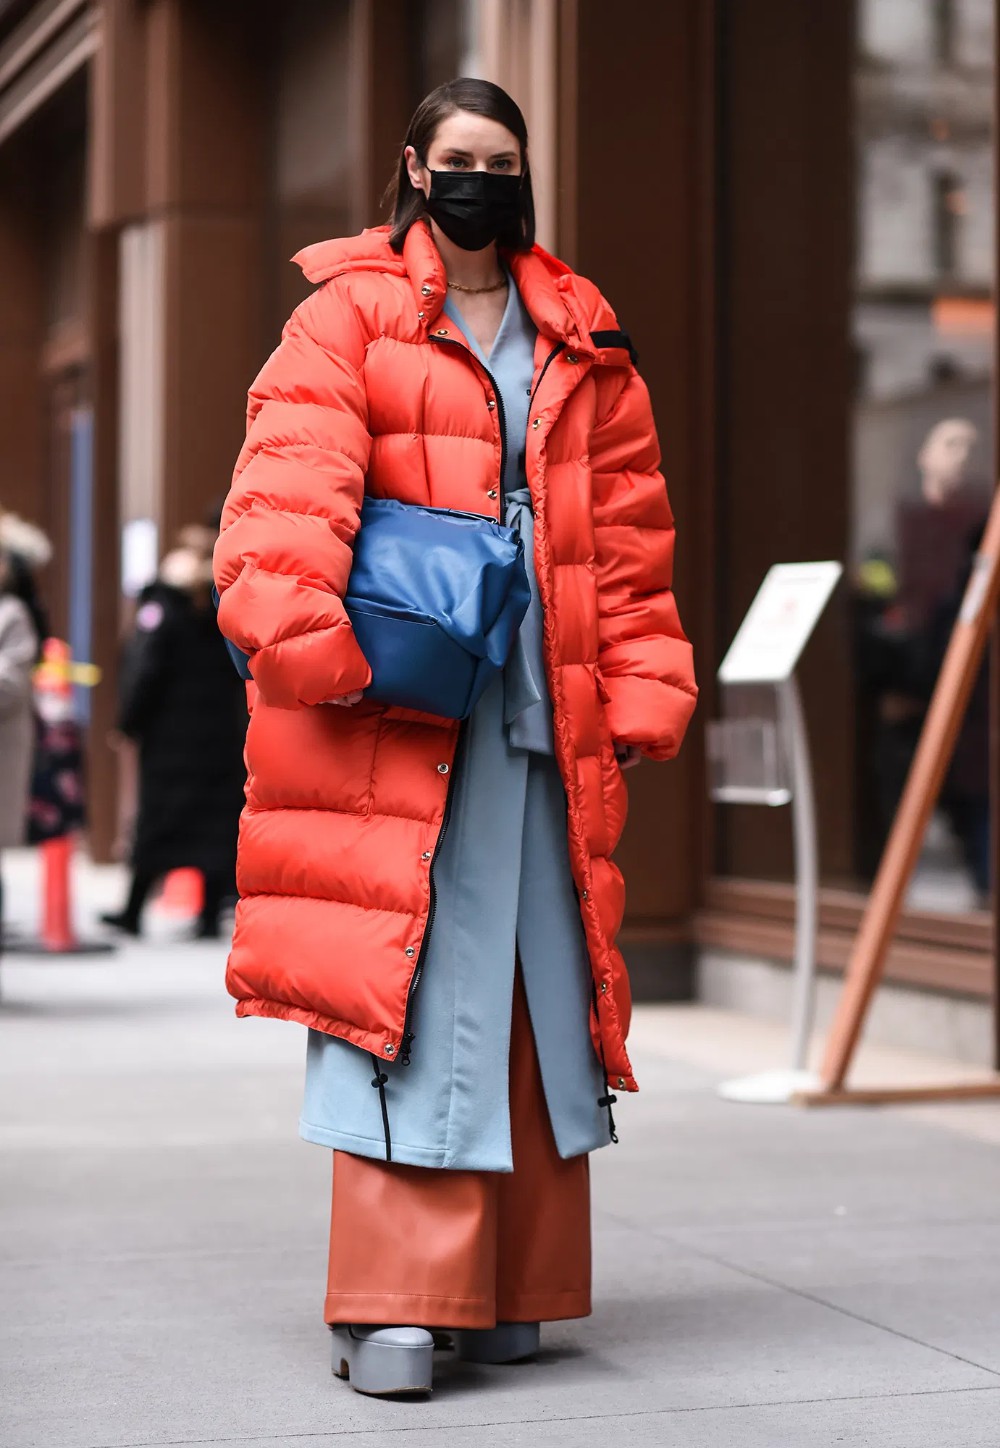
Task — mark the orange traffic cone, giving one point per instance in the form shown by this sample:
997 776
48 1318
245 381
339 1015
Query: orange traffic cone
58 934
183 894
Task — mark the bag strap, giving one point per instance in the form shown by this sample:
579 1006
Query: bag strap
616 339
241 661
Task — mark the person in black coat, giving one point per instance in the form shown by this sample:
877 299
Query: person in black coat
184 706
965 795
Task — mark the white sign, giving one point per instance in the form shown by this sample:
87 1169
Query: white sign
779 623
140 555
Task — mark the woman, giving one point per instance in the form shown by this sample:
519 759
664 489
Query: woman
21 628
183 706
447 360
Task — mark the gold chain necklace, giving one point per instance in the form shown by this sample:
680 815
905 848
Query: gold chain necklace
477 291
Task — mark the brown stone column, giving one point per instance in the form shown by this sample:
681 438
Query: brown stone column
382 79
206 150
21 336
635 213
116 177
178 120
118 117
102 763
786 372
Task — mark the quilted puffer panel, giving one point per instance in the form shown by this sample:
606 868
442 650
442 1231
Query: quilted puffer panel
569 493
412 768
582 708
574 597
293 951
386 852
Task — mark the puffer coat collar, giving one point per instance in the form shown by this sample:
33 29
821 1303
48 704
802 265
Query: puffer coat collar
548 288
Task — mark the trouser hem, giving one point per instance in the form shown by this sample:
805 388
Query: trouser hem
544 1306
404 1309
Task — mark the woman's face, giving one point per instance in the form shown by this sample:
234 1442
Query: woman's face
465 142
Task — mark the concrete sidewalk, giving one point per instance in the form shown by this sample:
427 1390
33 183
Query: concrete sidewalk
764 1277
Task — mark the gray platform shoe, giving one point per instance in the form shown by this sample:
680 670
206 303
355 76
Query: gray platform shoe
508 1342
384 1361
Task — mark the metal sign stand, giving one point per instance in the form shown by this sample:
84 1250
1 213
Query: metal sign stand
766 762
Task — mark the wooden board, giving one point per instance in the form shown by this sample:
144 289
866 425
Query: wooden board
930 765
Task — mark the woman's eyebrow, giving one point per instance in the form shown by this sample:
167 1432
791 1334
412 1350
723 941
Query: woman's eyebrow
467 155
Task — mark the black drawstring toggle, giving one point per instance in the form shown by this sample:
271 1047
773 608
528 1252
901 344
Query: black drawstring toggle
607 1101
379 1081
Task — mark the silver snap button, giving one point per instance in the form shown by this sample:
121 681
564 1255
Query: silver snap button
441 332
586 894
572 357
421 315
410 950
492 493
442 769
425 290
389 1049
621 1083
491 405
604 987
426 855
537 422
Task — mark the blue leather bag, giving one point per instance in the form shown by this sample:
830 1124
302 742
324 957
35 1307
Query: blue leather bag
435 598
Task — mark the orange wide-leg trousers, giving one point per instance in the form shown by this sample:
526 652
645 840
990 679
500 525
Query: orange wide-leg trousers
419 1247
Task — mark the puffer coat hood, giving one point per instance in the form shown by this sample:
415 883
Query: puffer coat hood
374 390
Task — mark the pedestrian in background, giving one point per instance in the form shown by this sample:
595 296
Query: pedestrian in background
181 703
22 630
448 361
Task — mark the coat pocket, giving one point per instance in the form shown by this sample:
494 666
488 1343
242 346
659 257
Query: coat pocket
319 758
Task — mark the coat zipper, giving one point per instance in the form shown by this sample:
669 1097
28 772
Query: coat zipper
404 1055
559 347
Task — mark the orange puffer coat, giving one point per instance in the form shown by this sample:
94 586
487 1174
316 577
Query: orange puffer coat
373 390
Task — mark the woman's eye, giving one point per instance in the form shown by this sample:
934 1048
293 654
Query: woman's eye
456 162
501 165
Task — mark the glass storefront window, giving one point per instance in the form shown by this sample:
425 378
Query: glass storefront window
856 367
922 329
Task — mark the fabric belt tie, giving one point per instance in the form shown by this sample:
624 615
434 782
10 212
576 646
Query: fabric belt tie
527 706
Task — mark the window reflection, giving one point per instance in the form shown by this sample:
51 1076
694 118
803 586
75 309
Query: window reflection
923 327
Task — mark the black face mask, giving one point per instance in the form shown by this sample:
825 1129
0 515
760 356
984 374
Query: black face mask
476 208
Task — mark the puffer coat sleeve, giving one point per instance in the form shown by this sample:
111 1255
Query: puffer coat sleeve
285 551
645 661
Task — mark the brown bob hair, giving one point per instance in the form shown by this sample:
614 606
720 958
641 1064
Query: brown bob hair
481 98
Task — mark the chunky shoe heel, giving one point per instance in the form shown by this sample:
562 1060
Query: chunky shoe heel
384 1361
508 1342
